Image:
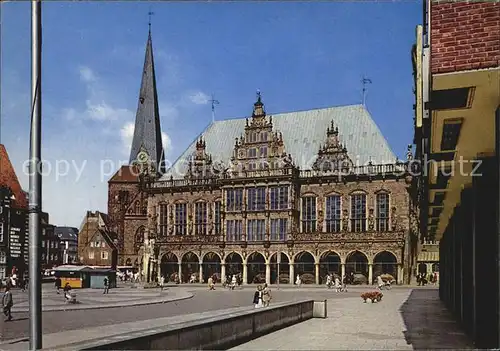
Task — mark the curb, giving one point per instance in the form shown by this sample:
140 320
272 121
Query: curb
77 307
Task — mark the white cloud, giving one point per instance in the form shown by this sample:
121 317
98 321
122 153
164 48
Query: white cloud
199 98
127 134
86 74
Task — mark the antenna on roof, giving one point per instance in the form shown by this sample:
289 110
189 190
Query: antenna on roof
213 102
364 82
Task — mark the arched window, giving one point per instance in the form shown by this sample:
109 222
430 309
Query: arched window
137 207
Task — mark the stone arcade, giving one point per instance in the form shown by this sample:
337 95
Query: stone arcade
314 191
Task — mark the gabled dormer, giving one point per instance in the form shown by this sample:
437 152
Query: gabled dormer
200 165
260 147
333 156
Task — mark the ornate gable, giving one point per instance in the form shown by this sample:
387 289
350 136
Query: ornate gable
332 156
260 148
200 164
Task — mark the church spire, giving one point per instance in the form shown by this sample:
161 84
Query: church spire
147 132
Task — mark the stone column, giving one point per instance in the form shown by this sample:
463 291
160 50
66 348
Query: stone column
400 274
201 272
342 269
179 272
292 272
223 271
158 272
268 274
245 273
316 266
370 274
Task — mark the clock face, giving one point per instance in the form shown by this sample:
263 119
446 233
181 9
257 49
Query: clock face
142 157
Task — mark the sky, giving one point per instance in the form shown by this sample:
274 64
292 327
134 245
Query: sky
300 55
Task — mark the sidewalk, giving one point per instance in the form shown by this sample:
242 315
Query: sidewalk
403 320
95 299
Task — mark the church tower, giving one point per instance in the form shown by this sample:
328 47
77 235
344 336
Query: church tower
147 143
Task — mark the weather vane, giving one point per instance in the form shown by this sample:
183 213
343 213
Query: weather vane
214 102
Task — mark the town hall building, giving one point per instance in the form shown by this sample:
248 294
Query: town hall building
270 196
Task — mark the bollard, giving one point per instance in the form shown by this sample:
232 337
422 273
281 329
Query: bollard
320 309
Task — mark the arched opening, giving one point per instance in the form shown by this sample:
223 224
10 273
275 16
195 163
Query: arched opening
329 263
169 266
422 268
211 266
256 268
190 267
385 263
304 266
234 264
435 267
284 271
357 267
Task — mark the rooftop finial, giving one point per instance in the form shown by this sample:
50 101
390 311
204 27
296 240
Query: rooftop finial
150 13
259 97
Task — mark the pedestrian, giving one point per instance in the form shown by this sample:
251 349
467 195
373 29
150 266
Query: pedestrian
211 285
58 285
266 296
106 286
25 283
162 282
257 297
298 281
7 303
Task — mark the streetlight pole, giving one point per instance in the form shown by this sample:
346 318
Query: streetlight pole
35 180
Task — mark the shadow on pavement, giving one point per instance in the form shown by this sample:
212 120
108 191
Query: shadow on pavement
429 325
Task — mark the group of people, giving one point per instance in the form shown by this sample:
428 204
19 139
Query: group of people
333 282
262 297
424 278
232 281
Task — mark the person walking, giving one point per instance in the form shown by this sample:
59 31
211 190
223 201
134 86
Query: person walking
7 303
266 296
106 286
257 297
162 282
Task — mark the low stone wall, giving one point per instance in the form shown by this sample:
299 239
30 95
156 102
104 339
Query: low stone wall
220 332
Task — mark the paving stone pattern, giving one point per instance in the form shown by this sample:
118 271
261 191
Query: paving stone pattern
403 320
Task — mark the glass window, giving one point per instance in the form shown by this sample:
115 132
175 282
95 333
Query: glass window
308 214
217 217
180 219
91 255
358 213
263 151
279 228
263 136
256 199
200 218
3 257
256 230
104 255
163 219
382 212
252 153
233 230
278 197
234 200
333 214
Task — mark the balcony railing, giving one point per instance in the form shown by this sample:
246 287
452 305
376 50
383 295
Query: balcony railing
399 168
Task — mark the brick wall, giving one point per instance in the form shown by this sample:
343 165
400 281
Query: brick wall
464 35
